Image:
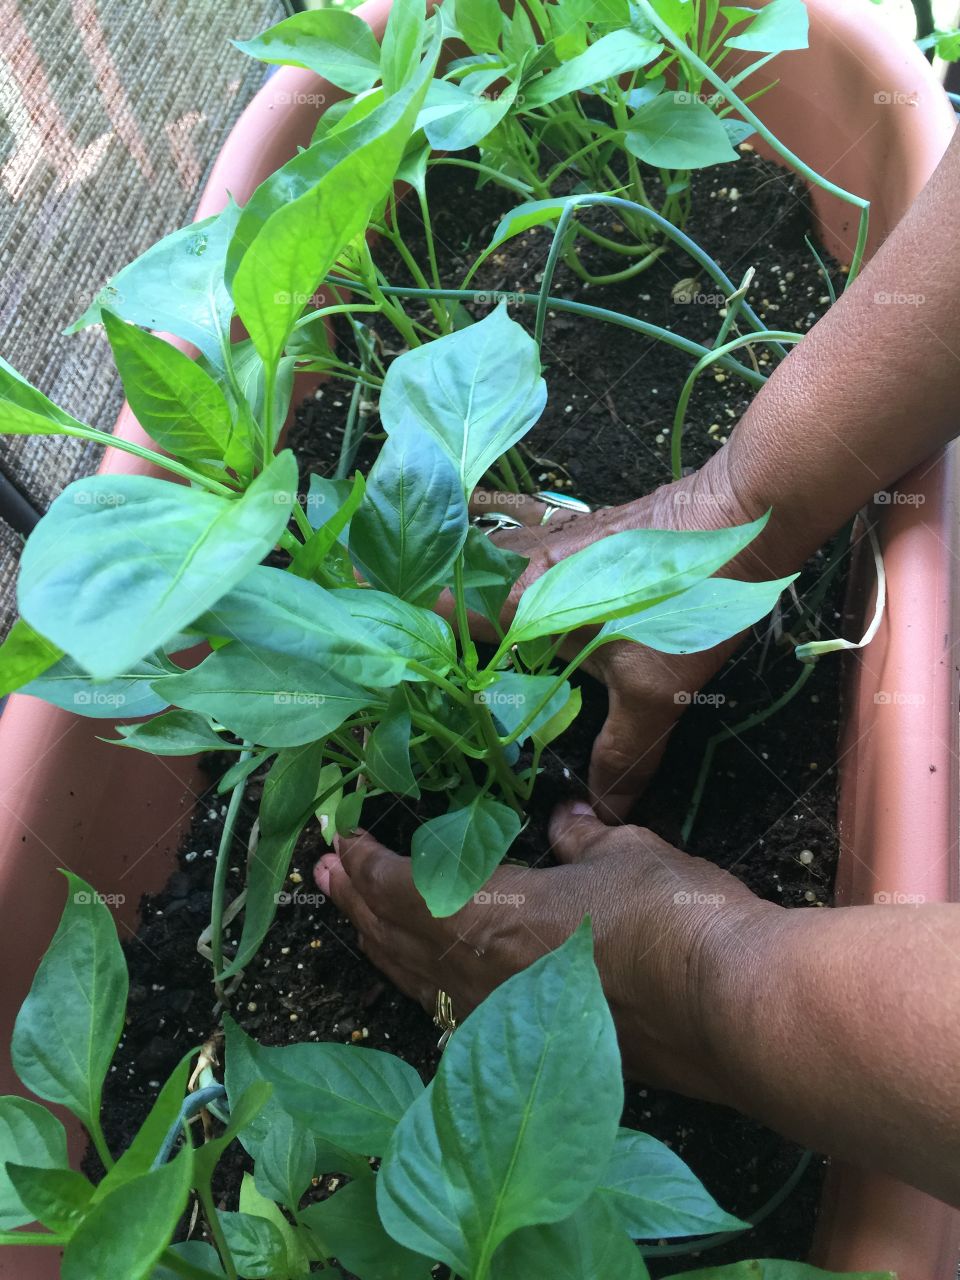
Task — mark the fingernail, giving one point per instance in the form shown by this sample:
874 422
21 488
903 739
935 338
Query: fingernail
582 809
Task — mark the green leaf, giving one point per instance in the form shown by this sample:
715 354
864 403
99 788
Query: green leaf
387 755
418 634
286 1150
176 402
675 131
771 1269
533 213
26 411
29 1134
699 618
480 23
258 1248
512 697
609 56
412 522
297 243
125 1234
591 1242
274 610
499 570
614 575
348 1226
243 1112
177 287
455 854
402 42
258 1206
197 1254
120 564
458 116
351 1097
519 1123
58 1198
67 685
335 44
139 1157
267 698
24 655
655 1196
69 1024
774 28
477 392
175 733
680 15
561 720
285 809
330 515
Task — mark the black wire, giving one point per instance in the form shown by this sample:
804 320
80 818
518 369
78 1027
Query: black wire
15 508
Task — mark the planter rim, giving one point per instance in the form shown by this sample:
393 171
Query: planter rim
65 794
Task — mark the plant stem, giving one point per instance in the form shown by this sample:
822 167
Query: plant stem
730 732
100 1144
687 345
676 440
707 72
220 876
216 1230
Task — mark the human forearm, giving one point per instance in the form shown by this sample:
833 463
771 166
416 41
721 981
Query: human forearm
841 1029
870 392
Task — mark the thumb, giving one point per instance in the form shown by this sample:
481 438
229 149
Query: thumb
576 832
628 750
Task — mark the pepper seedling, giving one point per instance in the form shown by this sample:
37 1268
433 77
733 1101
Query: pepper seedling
336 668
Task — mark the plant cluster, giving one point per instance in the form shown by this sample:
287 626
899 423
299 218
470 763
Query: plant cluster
327 665
511 1162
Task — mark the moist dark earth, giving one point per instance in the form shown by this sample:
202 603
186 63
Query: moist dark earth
768 809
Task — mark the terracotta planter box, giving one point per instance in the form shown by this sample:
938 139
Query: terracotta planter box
868 112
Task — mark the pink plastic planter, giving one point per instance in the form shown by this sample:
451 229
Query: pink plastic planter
866 111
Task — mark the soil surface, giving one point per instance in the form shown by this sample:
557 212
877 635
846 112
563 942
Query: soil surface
768 808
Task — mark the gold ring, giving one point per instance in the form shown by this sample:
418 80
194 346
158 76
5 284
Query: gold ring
444 1019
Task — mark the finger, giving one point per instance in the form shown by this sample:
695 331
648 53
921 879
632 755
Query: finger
381 877
627 751
576 833
518 506
332 880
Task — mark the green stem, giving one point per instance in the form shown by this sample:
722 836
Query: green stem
468 648
687 345
676 439
627 250
109 441
220 873
216 1231
100 1144
818 180
32 1238
730 732
269 400
514 184
615 277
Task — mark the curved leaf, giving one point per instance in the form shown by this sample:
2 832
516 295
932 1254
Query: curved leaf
120 563
455 854
29 1134
676 131
335 44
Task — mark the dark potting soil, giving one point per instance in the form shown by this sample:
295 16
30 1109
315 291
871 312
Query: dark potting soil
768 809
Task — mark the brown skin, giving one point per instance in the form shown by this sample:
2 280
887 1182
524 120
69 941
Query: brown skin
840 1028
